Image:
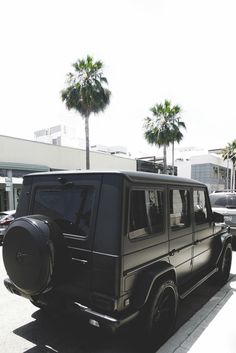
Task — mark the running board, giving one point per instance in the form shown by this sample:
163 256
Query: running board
190 290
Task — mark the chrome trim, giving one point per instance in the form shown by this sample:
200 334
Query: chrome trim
102 253
75 237
92 312
79 249
94 252
83 262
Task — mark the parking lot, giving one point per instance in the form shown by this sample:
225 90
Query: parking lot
26 329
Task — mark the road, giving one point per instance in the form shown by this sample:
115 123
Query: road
26 329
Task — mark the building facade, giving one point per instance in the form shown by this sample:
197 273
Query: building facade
209 169
19 157
60 135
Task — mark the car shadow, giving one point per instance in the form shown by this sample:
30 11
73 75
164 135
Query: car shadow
68 334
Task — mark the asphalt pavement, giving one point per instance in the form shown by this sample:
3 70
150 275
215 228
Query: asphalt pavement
212 328
205 323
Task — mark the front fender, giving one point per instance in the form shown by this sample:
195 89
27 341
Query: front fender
225 238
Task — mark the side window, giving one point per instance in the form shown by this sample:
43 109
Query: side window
146 213
179 209
200 207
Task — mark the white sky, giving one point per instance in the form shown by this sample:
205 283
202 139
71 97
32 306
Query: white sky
182 50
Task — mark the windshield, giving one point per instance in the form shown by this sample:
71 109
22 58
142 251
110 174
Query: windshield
70 208
223 200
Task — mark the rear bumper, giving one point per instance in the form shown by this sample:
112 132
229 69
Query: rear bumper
97 319
92 317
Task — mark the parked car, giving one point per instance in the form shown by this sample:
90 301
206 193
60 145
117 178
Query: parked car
224 202
6 217
114 246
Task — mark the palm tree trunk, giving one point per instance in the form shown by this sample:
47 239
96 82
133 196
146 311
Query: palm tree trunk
233 186
173 158
87 142
164 160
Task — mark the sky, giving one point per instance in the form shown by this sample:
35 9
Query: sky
152 50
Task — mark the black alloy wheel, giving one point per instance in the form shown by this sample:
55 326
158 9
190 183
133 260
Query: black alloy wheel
161 312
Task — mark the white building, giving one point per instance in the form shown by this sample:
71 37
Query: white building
209 168
115 150
19 157
60 135
64 135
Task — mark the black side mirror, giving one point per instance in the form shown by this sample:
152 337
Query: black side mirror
218 218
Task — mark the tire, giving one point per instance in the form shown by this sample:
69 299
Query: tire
34 254
222 275
160 312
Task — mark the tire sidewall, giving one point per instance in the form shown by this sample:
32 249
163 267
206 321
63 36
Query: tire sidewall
224 267
38 235
148 316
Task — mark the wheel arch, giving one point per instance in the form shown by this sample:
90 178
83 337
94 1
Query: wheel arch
225 238
149 280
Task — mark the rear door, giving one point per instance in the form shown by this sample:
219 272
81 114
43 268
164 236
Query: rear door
180 232
72 202
146 241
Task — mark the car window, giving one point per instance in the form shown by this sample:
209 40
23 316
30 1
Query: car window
219 200
201 209
70 208
179 200
146 213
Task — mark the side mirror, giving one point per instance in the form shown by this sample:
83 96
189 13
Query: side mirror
218 218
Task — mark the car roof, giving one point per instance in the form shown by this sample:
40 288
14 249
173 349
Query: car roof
134 176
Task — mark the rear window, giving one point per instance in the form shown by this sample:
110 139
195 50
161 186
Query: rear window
71 208
223 200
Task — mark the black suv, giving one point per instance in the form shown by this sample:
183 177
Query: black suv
114 245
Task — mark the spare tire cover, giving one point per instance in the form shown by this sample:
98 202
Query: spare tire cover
29 253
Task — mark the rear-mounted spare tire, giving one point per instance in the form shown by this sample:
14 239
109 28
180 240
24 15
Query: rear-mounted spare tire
34 254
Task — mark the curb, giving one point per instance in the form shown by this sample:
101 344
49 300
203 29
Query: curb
188 334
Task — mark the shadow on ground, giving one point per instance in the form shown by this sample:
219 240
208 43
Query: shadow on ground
67 334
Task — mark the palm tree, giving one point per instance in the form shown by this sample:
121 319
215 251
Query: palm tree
229 152
85 92
177 135
164 128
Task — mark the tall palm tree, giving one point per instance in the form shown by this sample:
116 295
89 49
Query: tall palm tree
85 92
164 127
229 152
177 135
